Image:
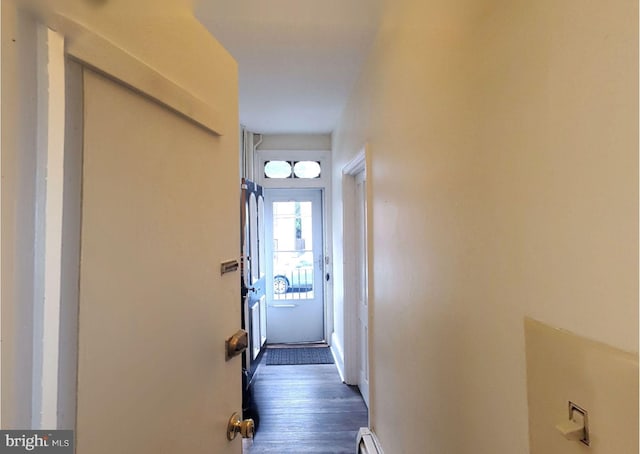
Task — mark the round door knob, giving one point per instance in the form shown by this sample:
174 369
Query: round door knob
244 427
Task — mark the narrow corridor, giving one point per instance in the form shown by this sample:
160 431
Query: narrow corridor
305 409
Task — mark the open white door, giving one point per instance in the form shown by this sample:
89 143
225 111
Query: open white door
159 215
356 274
362 284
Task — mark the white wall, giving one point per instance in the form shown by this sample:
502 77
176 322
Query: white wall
503 139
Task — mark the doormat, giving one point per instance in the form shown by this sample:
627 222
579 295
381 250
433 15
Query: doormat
295 356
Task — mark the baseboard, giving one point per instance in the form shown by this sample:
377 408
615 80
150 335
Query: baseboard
338 354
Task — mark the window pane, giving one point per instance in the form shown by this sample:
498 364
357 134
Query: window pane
277 169
253 238
293 265
306 169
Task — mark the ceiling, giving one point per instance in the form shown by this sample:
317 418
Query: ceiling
297 59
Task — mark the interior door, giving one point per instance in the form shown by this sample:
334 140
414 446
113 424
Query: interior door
254 269
295 298
159 211
362 284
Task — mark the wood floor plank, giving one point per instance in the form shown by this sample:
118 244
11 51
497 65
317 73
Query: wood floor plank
305 409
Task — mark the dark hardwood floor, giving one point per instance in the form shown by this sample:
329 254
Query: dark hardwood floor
305 409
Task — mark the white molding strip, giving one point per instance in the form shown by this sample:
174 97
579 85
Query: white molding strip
48 253
105 57
338 355
351 345
357 163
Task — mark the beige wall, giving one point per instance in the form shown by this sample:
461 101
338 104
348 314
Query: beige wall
18 219
503 140
296 142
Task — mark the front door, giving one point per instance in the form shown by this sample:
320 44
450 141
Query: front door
295 299
159 215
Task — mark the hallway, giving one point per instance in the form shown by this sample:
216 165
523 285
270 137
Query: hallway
499 142
305 408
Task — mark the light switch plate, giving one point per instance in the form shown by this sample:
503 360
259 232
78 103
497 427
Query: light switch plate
563 367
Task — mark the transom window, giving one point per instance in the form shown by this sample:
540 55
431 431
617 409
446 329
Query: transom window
292 169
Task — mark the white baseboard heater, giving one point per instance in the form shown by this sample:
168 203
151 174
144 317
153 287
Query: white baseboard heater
368 442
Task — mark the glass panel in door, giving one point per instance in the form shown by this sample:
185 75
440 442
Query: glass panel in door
293 259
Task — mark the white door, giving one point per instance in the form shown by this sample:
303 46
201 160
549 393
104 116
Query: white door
295 301
254 269
159 215
362 284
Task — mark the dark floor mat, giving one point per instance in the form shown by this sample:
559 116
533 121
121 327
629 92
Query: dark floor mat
295 356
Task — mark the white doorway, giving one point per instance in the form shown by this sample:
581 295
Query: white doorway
362 282
356 274
295 265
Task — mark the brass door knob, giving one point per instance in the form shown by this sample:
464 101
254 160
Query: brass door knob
236 344
244 427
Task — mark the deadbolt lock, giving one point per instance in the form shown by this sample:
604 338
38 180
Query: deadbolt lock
236 344
244 427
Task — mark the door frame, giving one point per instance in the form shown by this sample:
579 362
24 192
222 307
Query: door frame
324 184
354 167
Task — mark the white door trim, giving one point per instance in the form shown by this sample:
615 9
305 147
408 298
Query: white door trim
323 183
349 172
48 228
